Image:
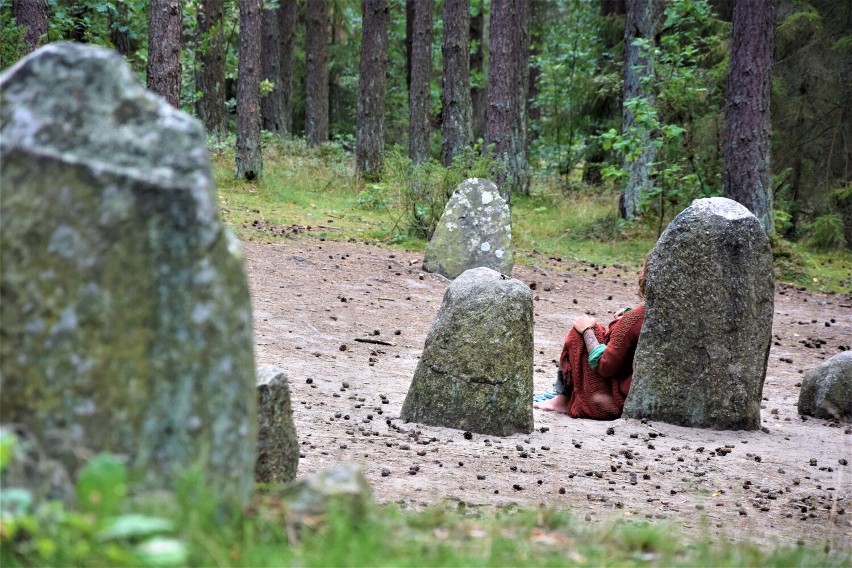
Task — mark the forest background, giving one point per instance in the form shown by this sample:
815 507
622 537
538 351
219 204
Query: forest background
580 150
589 119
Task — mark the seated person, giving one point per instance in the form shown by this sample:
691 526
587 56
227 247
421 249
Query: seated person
596 366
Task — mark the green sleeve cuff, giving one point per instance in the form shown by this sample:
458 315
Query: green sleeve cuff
595 355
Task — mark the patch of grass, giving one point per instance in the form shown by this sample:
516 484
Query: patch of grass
584 226
313 192
303 190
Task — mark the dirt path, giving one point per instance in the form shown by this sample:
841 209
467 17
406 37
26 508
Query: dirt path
312 300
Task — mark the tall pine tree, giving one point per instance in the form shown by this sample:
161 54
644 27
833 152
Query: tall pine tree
746 144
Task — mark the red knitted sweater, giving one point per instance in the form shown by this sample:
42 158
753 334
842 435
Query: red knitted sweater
600 393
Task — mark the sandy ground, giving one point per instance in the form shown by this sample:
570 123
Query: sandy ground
313 300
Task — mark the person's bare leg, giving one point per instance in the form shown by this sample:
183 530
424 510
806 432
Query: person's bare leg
558 403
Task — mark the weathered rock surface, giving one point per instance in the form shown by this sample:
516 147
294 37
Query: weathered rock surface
827 389
126 320
474 231
701 359
476 369
343 484
277 442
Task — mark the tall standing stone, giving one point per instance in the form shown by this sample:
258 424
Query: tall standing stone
277 442
701 358
476 369
475 230
126 322
827 389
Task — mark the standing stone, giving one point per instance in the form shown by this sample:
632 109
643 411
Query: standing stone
476 369
701 358
827 389
277 443
475 230
126 320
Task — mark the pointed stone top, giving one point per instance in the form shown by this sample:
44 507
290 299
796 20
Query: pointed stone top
722 206
80 103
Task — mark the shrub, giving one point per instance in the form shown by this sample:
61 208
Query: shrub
826 233
420 193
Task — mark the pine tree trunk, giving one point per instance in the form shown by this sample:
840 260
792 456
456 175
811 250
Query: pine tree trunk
370 138
746 143
409 41
249 161
477 60
421 73
508 77
455 92
316 83
641 22
613 7
119 33
32 14
210 67
164 49
270 70
538 21
289 15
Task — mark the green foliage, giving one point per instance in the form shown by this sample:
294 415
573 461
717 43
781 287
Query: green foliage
683 120
12 44
52 534
102 485
568 57
826 233
420 193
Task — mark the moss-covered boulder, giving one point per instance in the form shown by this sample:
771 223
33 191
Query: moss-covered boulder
827 389
476 369
475 230
701 358
126 322
277 443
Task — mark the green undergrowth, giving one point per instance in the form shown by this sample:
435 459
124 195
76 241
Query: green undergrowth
313 193
114 524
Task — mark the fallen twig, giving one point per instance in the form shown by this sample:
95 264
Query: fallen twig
374 341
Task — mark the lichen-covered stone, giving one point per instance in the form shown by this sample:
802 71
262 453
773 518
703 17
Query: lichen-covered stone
827 389
343 485
126 321
701 358
277 443
475 230
476 369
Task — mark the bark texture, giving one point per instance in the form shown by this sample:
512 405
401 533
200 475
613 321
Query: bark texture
31 14
164 46
455 94
641 22
409 40
421 71
288 16
316 82
477 63
210 69
538 20
370 140
270 70
747 177
119 34
249 162
508 77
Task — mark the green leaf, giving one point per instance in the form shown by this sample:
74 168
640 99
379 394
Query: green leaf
15 502
160 551
102 485
128 526
8 440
